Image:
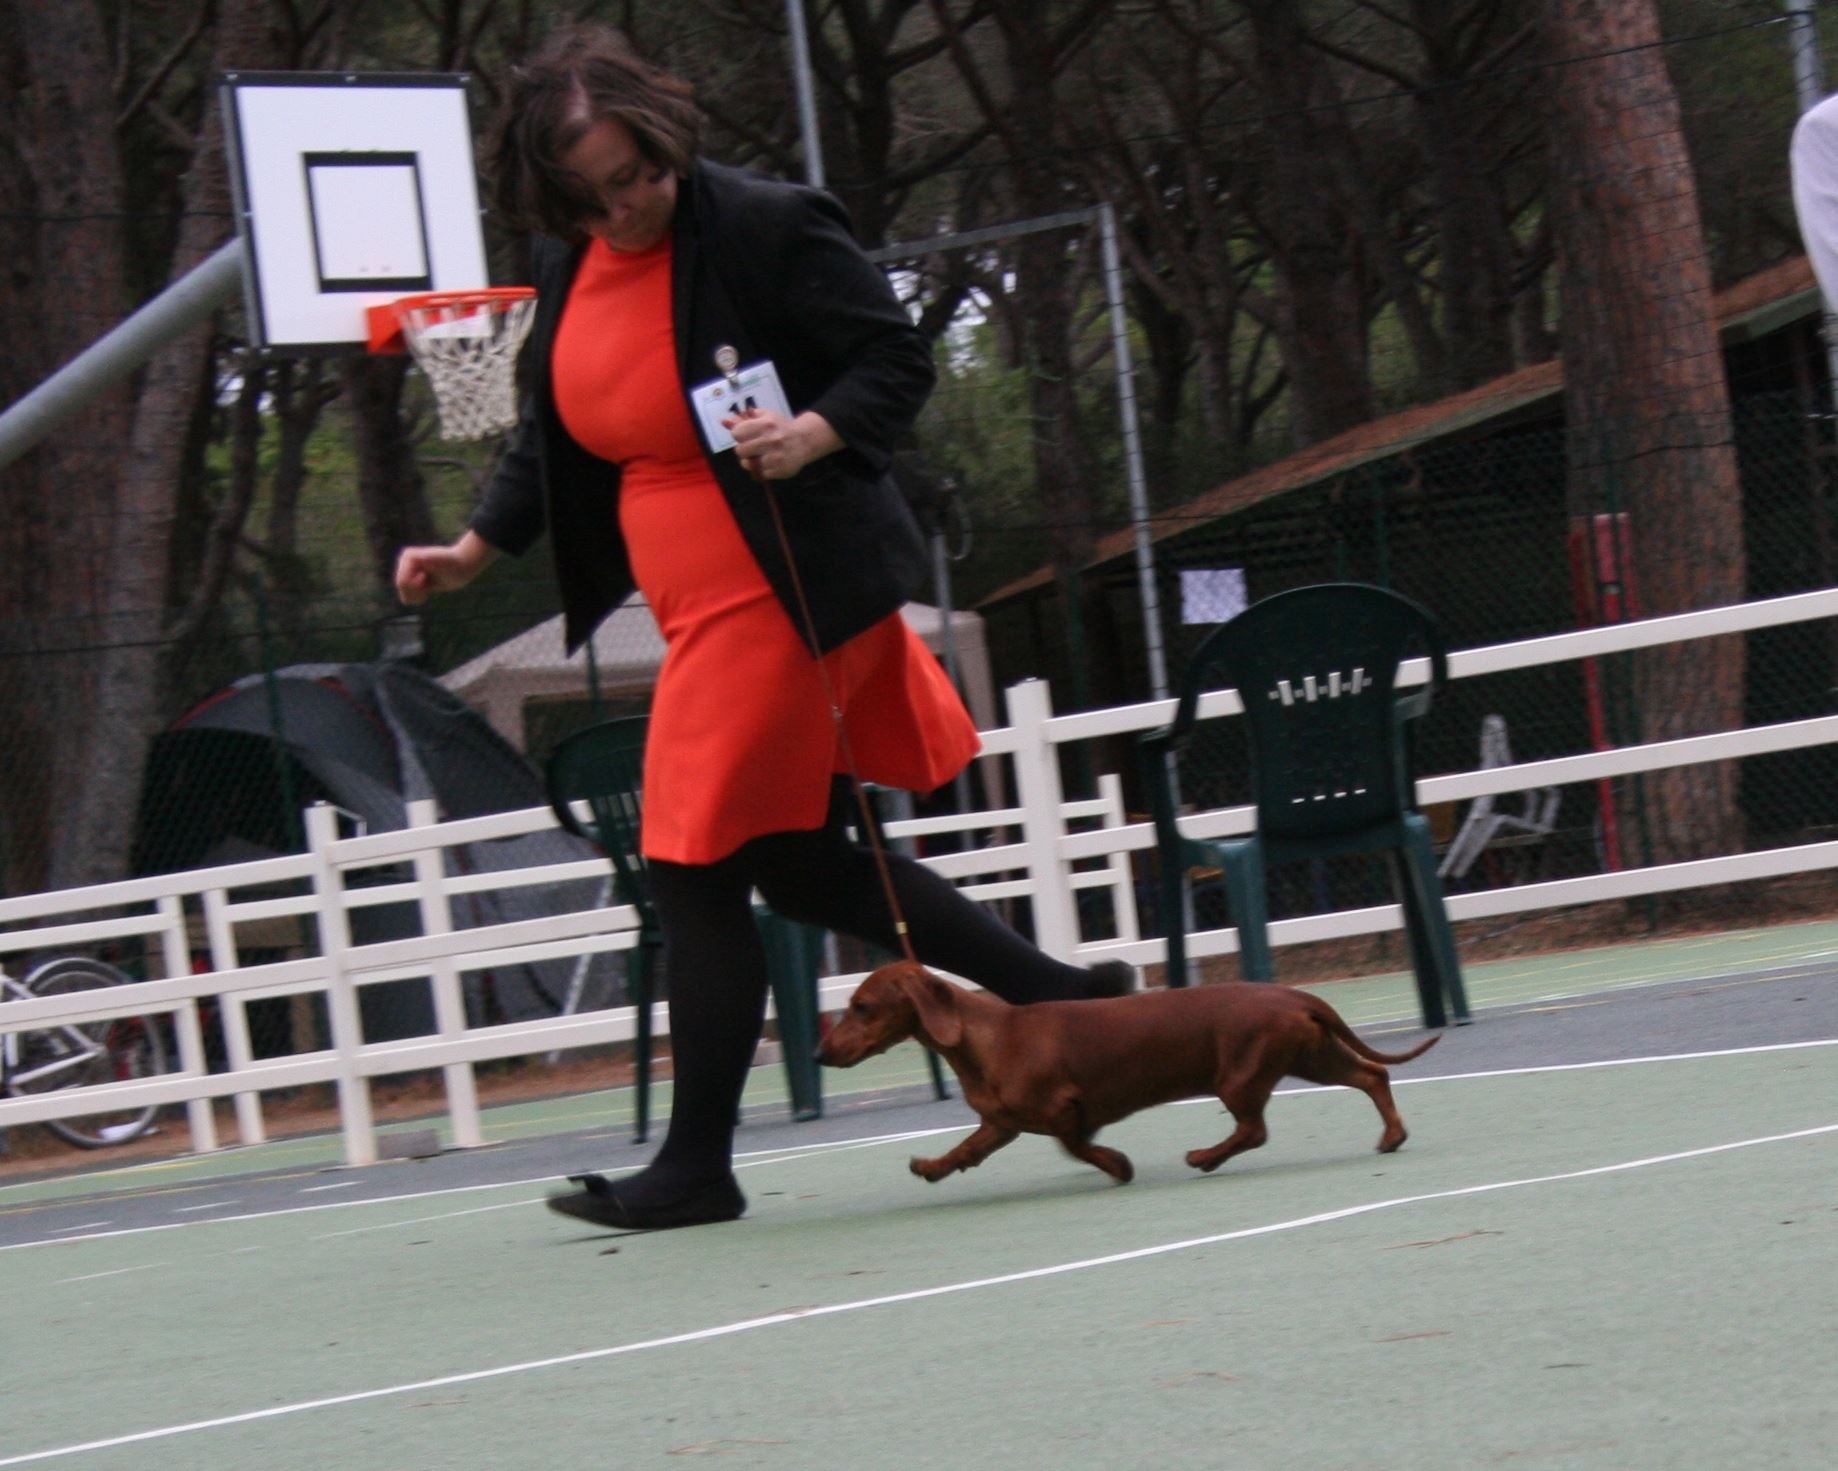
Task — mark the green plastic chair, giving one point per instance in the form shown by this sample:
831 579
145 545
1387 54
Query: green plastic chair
603 767
1331 771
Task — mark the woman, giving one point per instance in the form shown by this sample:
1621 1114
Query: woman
648 260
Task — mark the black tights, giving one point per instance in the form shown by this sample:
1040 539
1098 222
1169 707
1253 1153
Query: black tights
716 967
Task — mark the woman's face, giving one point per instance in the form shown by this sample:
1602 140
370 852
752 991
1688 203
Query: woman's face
637 197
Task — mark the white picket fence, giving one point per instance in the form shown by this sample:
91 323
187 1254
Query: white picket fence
1044 849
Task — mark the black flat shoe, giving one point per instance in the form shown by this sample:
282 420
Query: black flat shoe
598 1202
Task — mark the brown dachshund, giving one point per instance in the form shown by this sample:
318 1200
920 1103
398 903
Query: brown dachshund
1068 1068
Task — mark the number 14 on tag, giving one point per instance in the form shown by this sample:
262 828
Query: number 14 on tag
756 386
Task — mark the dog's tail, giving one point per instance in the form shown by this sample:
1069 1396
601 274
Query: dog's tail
1351 1040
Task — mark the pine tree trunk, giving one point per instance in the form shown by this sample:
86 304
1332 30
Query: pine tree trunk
1044 286
111 756
1475 265
63 289
1646 400
1320 317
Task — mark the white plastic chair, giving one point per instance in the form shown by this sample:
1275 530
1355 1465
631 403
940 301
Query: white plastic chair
1533 814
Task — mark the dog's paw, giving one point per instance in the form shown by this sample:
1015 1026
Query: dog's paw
1115 1164
1203 1160
929 1170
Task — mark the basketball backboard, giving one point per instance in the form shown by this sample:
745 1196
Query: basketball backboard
351 189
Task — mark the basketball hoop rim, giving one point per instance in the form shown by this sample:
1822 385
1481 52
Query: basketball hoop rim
385 319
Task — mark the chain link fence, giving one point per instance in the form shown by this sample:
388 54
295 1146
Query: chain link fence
1492 535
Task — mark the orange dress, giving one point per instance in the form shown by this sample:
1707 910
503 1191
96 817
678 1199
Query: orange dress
742 741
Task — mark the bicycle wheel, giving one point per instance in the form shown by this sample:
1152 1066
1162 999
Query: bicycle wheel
83 1053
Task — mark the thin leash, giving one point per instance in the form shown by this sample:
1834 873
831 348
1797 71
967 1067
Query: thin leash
869 826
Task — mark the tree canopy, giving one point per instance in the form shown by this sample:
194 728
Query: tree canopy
1327 210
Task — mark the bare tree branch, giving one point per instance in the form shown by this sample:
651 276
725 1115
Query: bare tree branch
156 79
226 527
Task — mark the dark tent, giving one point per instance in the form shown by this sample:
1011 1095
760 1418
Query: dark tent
227 781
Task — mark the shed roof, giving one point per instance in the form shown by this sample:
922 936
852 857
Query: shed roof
1753 307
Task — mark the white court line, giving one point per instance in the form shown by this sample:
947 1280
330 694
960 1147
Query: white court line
1552 1067
1505 1000
340 1185
1583 1067
784 1156
788 1153
843 1146
290 1145
774 1320
743 1164
784 1153
209 1205
1793 971
477 1210
800 1151
116 1272
743 1161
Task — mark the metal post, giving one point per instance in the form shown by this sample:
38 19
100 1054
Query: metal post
593 682
1809 89
277 734
1132 452
941 592
192 299
1126 408
1803 37
807 99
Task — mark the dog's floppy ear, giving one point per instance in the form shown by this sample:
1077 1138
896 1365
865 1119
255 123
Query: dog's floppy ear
936 1003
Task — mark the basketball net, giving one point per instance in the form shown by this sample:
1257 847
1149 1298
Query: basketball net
466 343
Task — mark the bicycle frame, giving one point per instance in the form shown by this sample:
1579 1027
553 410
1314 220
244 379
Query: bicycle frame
78 1055
82 1049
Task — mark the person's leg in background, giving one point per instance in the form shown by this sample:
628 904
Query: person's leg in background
715 968
825 878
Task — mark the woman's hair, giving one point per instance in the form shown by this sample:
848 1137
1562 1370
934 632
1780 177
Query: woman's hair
583 73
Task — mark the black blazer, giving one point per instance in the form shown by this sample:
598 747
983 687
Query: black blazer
771 269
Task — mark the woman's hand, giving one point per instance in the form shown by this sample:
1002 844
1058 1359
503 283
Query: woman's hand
772 447
424 570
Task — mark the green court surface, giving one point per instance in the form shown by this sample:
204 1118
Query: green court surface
606 1114
1601 1261
1376 1004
